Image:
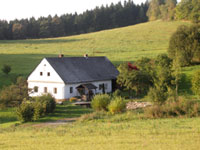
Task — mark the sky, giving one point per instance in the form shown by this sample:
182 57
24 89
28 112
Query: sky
18 9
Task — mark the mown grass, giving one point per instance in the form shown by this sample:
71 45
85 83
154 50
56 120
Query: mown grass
119 45
8 116
174 134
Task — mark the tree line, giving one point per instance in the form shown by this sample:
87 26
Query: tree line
161 9
170 10
100 18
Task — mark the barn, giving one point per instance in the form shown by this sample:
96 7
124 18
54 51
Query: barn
66 77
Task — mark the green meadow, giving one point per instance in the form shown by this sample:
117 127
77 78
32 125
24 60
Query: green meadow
127 131
119 45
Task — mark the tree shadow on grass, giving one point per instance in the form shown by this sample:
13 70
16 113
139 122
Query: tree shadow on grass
7 115
65 111
41 41
6 119
185 85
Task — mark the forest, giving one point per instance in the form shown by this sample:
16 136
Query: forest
100 18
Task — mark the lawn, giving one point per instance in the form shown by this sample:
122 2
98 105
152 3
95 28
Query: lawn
119 45
8 116
125 131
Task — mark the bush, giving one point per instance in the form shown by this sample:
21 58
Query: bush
117 105
157 95
14 94
25 112
100 102
48 103
36 108
116 93
6 69
177 108
39 110
196 83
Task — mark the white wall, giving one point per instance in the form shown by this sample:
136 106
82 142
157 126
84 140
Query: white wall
44 67
50 89
76 93
51 82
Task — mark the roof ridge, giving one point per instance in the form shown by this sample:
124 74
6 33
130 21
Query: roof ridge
79 57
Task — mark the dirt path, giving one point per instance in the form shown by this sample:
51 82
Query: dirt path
55 123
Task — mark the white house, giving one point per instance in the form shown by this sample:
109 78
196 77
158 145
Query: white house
66 77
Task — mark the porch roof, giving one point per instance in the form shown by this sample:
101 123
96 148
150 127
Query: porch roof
88 86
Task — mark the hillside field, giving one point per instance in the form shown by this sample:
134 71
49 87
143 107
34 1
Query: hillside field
119 45
125 131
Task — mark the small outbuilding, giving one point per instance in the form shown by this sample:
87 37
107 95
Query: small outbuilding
66 77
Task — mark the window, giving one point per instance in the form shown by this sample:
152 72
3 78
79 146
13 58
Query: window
41 73
55 90
48 73
71 89
45 89
35 89
106 86
100 86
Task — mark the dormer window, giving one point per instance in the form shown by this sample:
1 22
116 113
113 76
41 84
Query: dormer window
48 73
41 73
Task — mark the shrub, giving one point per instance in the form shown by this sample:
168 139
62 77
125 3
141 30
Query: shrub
25 112
157 95
181 107
48 103
117 105
100 102
196 83
116 93
13 95
39 110
6 69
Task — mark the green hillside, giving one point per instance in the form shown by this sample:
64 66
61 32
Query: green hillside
121 44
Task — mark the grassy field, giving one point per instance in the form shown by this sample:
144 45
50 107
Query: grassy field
123 131
119 45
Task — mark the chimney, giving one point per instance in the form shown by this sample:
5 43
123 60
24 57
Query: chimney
60 55
86 56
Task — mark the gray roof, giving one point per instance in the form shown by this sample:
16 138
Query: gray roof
81 69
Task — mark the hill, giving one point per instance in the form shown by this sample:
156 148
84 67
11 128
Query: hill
119 45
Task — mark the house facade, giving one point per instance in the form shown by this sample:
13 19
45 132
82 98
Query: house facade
66 77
